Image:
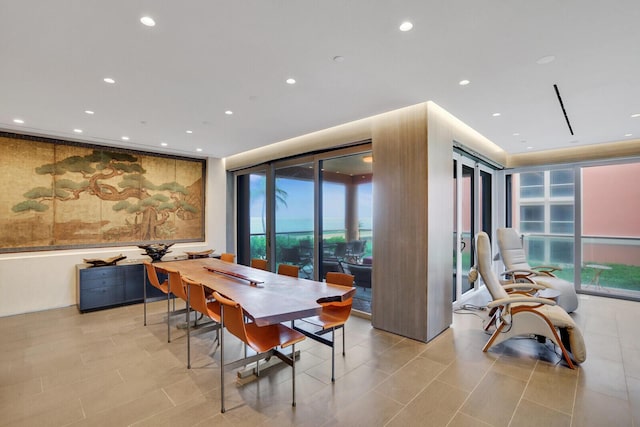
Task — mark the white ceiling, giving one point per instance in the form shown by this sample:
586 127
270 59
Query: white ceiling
207 56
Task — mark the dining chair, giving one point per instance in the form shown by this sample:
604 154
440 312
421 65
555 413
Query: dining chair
329 265
340 251
300 258
262 339
152 276
177 288
355 250
334 315
227 257
259 263
199 302
361 273
288 270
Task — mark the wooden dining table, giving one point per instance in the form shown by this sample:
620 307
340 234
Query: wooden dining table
268 298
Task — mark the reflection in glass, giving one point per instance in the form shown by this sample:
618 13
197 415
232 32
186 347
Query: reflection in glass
611 229
346 223
295 217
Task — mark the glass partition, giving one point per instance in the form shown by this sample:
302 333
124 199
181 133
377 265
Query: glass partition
346 229
589 228
611 229
315 212
295 213
543 211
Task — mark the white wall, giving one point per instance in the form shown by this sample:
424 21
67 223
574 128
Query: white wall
34 281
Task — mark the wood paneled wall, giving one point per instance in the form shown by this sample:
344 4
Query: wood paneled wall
400 222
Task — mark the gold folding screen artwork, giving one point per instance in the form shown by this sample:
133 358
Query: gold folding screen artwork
56 194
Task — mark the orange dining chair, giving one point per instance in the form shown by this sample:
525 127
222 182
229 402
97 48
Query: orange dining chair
227 257
334 315
259 263
152 275
176 287
262 339
288 270
199 302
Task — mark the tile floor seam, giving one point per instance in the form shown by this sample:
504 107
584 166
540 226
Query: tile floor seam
524 390
471 392
168 397
405 405
575 397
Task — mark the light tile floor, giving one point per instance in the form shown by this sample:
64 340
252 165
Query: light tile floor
60 367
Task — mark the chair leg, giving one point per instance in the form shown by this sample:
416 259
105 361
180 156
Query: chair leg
168 317
343 340
222 362
333 354
293 373
188 337
144 294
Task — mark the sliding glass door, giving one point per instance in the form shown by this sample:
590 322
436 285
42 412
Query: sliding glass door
312 211
346 222
252 215
472 189
295 216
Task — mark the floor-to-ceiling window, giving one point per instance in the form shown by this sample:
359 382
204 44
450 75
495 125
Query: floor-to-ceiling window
582 218
472 189
295 216
610 235
313 211
252 215
346 223
543 210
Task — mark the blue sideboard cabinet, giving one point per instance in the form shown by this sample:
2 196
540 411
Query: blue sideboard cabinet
110 286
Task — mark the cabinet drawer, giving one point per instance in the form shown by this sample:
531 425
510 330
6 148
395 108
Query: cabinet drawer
101 296
100 283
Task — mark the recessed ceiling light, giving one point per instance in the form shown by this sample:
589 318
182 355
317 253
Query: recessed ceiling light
406 26
516 134
189 131
529 148
338 58
109 80
125 138
198 149
148 21
628 134
89 112
367 159
77 130
635 115
464 82
291 81
18 121
545 59
496 114
164 144
228 112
